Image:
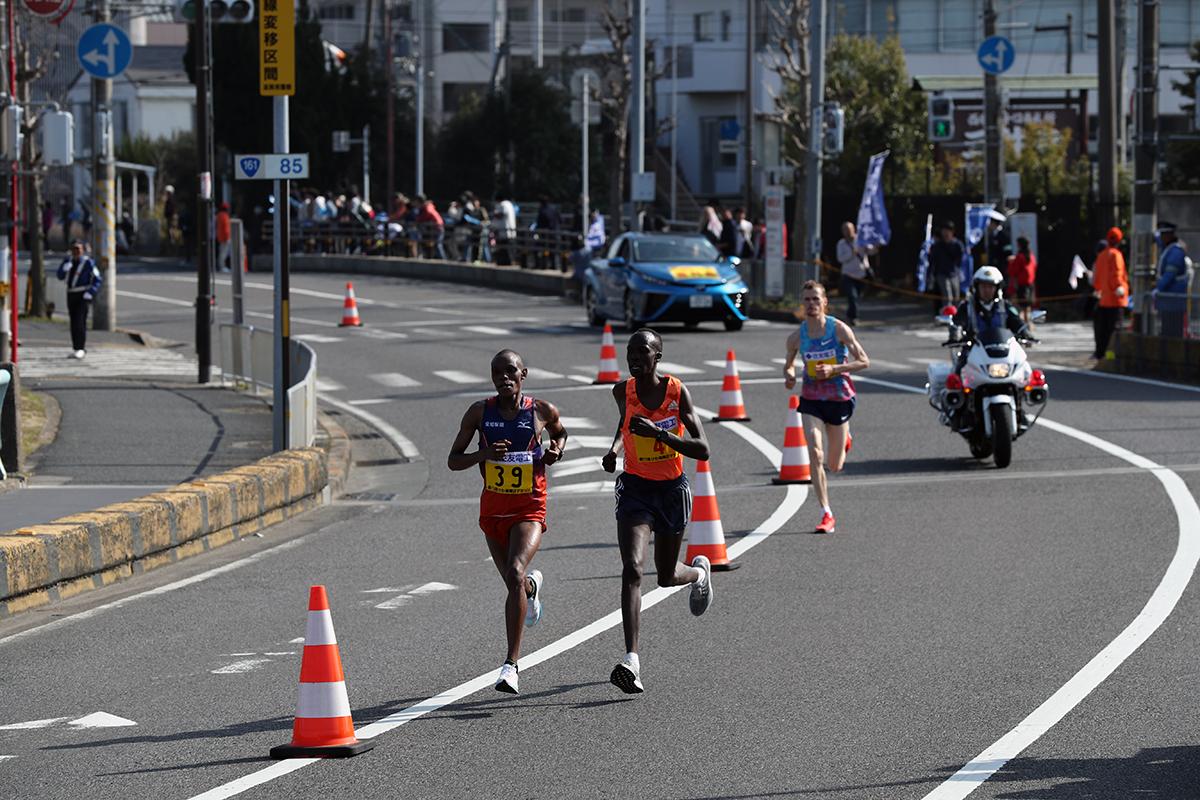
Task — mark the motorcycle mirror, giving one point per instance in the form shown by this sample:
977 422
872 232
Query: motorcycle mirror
1038 316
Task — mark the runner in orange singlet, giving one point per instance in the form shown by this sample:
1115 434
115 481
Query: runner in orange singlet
653 495
512 508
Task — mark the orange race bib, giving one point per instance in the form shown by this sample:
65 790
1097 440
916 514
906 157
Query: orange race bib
513 475
651 450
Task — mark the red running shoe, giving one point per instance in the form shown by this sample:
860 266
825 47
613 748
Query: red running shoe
826 524
849 442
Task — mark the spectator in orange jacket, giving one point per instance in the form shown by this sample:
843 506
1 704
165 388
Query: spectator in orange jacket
1111 283
224 239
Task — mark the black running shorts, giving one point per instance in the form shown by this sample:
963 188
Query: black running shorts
831 412
665 505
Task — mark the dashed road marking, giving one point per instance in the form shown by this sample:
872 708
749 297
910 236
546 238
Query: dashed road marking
375 401
239 667
544 374
678 369
458 376
317 338
395 380
328 385
578 423
743 366
488 330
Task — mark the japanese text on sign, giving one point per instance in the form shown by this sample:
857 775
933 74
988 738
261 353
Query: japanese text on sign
276 48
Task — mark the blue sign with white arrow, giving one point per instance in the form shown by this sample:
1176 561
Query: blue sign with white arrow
104 51
996 54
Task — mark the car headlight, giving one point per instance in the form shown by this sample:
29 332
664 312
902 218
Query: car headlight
998 370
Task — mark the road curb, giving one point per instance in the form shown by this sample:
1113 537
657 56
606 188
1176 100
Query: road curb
41 564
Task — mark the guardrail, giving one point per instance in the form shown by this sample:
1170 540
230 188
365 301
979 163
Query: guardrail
247 360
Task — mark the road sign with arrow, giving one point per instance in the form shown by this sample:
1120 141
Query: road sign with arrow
996 55
104 51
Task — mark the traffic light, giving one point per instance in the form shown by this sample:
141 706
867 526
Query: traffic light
221 11
833 136
941 119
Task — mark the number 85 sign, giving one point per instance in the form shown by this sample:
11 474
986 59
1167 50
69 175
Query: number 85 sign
271 166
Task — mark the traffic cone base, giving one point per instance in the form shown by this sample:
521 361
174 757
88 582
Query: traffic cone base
705 533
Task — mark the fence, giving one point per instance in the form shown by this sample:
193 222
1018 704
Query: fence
1172 315
247 360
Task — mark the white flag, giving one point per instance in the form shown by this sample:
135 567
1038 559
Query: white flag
1078 270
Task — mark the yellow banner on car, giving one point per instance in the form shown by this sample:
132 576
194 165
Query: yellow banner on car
687 273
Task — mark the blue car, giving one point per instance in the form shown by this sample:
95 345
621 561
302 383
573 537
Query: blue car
646 278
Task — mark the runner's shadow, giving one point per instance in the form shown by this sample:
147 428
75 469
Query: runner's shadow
219 763
582 546
899 467
482 709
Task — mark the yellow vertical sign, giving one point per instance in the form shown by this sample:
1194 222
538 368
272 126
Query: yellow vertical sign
276 47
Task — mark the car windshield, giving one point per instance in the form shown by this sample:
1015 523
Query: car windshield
682 248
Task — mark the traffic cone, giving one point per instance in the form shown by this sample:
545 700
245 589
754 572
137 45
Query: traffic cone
350 316
323 727
733 407
795 465
705 534
609 371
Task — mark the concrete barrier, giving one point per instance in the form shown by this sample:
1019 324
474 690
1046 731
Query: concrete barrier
41 564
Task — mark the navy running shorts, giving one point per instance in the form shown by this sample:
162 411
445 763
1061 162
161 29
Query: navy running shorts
665 505
831 412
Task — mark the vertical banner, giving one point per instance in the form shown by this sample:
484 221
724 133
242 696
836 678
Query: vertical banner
978 215
873 226
923 256
276 48
773 206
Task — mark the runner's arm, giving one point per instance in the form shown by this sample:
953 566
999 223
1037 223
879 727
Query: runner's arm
695 447
558 434
459 458
609 462
858 360
789 367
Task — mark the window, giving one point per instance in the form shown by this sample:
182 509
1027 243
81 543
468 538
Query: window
682 56
454 95
726 23
465 37
518 14
849 16
336 11
962 25
702 27
917 24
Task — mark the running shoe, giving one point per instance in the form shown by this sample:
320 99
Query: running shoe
626 676
826 523
849 442
507 682
533 606
702 593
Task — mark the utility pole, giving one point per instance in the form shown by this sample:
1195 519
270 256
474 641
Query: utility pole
538 32
674 111
1145 165
638 128
993 170
1106 62
204 197
816 27
390 105
748 201
366 164
584 199
104 201
8 325
420 119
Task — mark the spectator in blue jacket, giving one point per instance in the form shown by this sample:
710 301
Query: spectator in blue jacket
83 284
1174 274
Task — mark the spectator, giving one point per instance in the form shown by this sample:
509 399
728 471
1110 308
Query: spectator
595 235
581 259
945 260
454 224
476 217
744 242
224 238
504 224
83 284
1022 276
171 216
546 228
710 225
1111 284
856 268
1174 276
998 243
433 228
729 233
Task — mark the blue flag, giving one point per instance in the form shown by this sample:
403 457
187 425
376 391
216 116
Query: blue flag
923 256
873 226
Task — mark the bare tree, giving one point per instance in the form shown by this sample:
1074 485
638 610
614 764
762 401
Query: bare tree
793 106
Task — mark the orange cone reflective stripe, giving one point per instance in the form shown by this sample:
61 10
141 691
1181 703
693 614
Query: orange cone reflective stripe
350 316
705 533
610 372
794 467
733 407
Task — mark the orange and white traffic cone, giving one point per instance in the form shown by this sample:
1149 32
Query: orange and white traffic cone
705 534
795 465
733 407
609 371
323 727
350 316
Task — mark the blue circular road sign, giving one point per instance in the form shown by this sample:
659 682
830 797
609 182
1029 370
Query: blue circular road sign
996 54
104 51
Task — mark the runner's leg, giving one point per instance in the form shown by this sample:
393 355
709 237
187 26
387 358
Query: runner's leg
671 571
513 563
814 428
835 435
632 538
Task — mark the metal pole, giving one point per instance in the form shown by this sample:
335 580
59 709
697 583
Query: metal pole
638 132
237 257
674 113
539 23
420 121
817 83
13 197
1145 165
104 194
390 107
366 164
584 199
204 198
993 171
748 191
282 244
1106 63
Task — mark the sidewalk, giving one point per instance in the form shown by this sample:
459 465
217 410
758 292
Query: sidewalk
133 421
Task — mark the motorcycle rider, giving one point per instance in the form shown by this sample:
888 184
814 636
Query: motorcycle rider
985 309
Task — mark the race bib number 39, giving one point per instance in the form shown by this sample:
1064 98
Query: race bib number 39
650 450
819 357
513 475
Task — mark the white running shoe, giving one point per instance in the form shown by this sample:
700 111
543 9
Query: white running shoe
701 596
626 676
533 606
79 354
507 682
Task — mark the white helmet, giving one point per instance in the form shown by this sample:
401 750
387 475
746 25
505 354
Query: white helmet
990 275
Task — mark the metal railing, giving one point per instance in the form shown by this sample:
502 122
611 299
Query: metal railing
247 362
1172 314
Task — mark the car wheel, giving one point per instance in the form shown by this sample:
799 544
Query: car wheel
733 324
631 317
594 317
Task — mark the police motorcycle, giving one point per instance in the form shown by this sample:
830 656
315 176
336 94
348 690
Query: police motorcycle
988 392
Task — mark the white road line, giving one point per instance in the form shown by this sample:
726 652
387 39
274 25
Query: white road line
1128 378
928 360
317 338
586 488
747 366
62 622
458 376
576 466
376 333
394 380
319 323
892 365
5 758
362 301
238 667
578 423
488 330
398 439
157 298
433 586
544 374
328 385
432 332
1160 605
394 602
671 368
32 724
586 442
579 378
377 401
786 510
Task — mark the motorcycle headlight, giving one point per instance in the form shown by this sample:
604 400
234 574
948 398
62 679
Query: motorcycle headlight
998 370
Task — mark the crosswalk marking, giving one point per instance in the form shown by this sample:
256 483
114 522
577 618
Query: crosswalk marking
395 380
435 332
544 374
579 466
589 442
457 376
578 423
585 488
488 330
317 338
672 368
376 333
103 362
328 385
926 361
743 366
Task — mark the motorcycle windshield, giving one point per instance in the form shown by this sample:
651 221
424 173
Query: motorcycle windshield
996 341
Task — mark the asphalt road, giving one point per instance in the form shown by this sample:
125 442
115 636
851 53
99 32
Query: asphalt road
957 607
